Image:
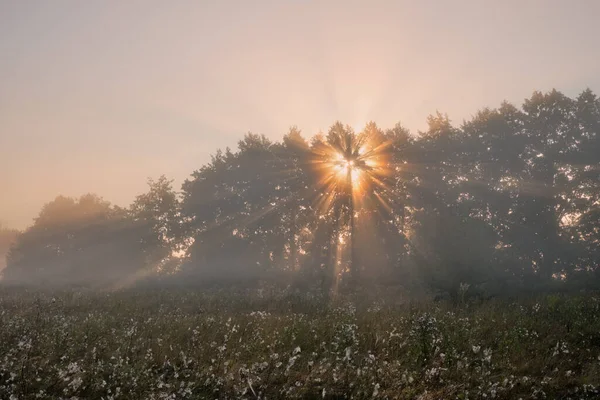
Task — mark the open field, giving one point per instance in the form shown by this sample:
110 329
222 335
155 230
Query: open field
166 344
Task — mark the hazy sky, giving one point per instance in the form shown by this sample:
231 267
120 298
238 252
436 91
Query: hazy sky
96 96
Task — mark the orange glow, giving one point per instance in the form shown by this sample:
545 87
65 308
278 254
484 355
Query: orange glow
353 164
355 174
353 186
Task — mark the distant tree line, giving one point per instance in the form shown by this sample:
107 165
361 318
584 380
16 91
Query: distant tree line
511 197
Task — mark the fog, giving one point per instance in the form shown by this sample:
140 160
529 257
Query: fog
98 97
506 202
449 191
299 199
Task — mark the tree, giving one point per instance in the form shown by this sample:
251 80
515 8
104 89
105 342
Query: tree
232 209
76 241
156 214
7 239
511 197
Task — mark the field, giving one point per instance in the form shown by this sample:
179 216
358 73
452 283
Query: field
168 344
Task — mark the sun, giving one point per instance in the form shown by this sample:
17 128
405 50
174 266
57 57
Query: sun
349 170
353 187
351 164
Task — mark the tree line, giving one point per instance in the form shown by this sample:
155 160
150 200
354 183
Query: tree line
509 198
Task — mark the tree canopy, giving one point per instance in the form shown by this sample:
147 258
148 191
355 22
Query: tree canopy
511 196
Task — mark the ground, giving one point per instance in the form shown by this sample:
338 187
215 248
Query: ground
197 344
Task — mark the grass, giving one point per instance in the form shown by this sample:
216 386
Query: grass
167 344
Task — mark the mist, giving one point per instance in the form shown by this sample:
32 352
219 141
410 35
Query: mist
508 200
299 200
106 95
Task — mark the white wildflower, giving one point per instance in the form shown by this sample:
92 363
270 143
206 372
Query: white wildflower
376 390
76 383
487 355
348 354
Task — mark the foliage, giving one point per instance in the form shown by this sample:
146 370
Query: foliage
160 344
510 198
68 241
156 214
87 240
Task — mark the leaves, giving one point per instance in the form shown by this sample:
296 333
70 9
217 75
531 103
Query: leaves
511 196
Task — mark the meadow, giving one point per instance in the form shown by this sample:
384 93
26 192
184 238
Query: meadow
272 344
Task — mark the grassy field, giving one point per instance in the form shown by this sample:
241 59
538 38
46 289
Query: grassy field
167 344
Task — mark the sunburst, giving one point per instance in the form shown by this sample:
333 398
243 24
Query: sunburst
351 163
352 169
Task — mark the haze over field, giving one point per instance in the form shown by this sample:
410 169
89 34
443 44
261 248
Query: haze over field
97 96
299 199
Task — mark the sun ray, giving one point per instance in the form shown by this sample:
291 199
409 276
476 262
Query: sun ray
353 178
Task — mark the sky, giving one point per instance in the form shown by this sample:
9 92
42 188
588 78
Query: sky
97 96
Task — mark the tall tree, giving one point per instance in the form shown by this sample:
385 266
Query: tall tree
156 215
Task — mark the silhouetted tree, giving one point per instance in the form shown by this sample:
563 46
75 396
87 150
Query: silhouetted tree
77 241
7 239
509 197
156 216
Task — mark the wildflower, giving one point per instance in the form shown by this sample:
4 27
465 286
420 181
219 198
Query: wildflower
348 354
476 349
376 390
487 354
76 383
430 373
